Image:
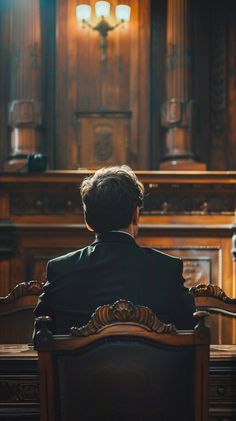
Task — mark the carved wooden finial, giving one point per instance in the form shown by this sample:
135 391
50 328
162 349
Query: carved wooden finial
122 311
23 289
43 340
201 330
214 291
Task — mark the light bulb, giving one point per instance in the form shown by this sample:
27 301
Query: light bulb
102 8
123 12
83 12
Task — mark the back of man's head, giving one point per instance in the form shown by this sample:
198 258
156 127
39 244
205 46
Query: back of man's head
110 197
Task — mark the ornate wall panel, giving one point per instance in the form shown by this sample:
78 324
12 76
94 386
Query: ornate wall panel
104 139
206 258
201 264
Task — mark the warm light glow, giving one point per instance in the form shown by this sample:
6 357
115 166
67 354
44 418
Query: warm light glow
102 8
83 12
102 11
123 12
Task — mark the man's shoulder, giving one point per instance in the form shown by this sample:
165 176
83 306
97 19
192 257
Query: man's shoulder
71 257
162 256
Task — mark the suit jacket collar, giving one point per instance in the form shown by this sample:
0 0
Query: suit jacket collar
114 237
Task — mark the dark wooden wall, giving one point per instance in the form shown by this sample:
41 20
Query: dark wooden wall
4 79
98 113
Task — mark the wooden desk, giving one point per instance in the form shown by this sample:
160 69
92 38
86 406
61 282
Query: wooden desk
19 383
222 383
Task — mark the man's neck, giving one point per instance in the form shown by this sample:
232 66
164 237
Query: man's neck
124 231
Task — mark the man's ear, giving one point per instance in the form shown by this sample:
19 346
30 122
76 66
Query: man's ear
86 223
88 227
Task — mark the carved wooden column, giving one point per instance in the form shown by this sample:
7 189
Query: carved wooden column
178 117
234 264
25 82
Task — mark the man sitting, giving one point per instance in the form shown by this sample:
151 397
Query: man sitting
114 266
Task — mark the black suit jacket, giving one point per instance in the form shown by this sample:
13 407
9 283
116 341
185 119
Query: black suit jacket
114 266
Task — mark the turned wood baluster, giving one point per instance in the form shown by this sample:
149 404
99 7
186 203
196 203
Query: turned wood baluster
178 112
25 82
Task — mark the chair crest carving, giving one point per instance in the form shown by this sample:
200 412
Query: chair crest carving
122 311
214 291
21 290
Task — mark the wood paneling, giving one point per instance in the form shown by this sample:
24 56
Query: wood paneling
201 78
218 85
4 78
191 215
48 33
86 84
207 259
231 91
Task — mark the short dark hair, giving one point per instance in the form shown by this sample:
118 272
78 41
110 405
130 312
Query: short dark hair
110 197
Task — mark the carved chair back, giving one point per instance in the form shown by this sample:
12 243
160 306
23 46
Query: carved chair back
213 299
123 365
16 312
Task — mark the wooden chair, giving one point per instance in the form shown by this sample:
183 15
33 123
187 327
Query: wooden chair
123 365
16 312
213 299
